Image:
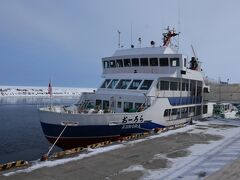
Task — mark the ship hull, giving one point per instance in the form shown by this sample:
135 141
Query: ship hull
81 136
84 129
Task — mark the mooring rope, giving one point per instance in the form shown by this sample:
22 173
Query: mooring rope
56 140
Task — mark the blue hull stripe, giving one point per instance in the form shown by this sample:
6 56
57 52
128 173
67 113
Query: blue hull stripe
53 130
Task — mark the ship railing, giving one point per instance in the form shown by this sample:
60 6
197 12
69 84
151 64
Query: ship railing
209 81
84 97
93 110
87 107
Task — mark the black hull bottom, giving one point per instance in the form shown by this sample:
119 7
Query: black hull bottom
69 143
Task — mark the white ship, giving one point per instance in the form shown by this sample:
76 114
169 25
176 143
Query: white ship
144 89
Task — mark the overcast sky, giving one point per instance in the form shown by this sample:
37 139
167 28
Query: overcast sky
65 40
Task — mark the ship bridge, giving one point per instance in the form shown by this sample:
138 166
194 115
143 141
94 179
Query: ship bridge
152 60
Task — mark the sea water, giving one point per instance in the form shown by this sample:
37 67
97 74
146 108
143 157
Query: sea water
21 136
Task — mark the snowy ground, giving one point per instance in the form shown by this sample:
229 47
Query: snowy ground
230 115
203 160
13 91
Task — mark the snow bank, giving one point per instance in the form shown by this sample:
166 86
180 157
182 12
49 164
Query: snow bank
13 91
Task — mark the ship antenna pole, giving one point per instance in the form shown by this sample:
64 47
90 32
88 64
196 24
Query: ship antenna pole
50 92
179 25
193 51
119 39
131 35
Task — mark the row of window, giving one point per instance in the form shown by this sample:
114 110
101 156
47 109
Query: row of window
127 84
174 86
127 106
134 62
145 85
178 113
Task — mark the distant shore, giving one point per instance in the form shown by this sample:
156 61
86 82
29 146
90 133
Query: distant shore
28 91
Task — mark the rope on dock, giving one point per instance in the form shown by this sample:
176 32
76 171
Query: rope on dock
45 156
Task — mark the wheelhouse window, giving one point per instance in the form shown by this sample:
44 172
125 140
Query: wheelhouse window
173 86
184 110
105 64
174 62
192 109
105 83
112 84
135 62
127 106
138 106
199 88
105 105
163 61
206 90
127 62
119 63
174 111
144 61
119 104
183 86
185 62
98 103
164 85
112 63
123 84
205 109
187 86
167 112
198 110
135 84
146 84
153 61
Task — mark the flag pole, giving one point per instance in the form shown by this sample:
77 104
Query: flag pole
50 92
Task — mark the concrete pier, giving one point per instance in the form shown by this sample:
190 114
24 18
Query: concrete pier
134 160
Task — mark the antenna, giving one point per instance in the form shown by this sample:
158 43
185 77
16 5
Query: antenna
179 25
119 39
195 64
168 35
193 51
140 41
131 36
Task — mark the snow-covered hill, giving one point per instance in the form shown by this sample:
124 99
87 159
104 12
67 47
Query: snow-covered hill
9 91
